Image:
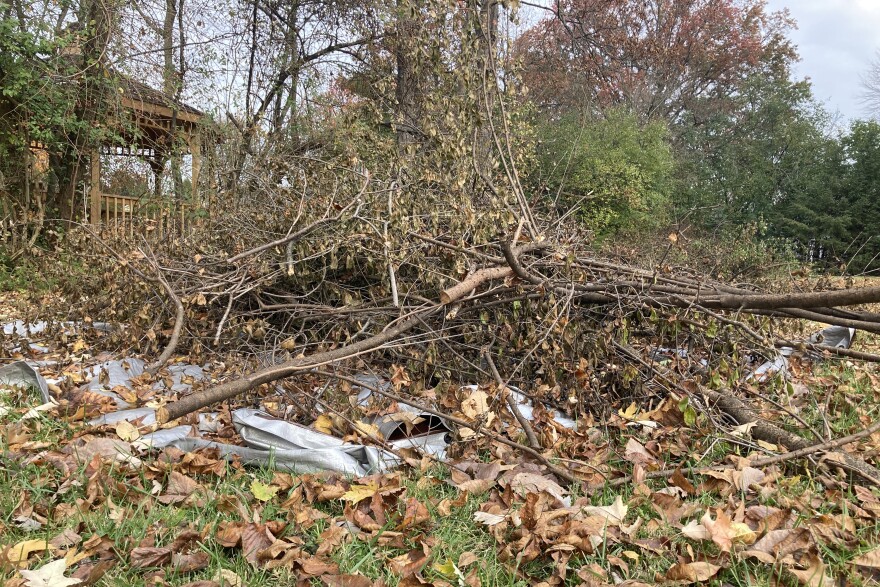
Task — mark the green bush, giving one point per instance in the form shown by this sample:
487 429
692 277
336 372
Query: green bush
615 171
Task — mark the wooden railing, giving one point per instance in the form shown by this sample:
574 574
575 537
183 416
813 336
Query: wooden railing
129 216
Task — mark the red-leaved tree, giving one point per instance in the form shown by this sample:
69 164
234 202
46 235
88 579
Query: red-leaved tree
661 58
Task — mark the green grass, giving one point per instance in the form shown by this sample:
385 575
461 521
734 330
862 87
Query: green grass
136 514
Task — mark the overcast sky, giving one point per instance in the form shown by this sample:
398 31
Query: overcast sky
836 40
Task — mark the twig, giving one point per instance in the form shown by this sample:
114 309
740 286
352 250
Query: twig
178 326
511 403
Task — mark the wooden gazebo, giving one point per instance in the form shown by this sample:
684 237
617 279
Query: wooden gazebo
150 125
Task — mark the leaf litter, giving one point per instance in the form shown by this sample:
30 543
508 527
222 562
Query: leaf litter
94 499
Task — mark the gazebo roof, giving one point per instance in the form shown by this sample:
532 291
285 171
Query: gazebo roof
142 98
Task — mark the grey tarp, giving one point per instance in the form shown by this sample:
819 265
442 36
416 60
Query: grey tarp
284 445
20 374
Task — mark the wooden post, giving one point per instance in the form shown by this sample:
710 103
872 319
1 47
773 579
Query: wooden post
196 150
95 187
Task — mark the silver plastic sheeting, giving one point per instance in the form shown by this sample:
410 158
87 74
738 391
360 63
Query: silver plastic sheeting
283 445
835 336
424 432
20 374
524 405
110 374
26 330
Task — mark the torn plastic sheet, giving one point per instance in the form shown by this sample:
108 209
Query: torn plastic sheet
425 432
26 330
524 405
276 442
111 374
283 445
21 374
836 336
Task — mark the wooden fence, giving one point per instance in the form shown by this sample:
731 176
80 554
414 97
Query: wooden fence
126 216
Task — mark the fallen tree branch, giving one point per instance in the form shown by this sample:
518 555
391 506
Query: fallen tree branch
180 315
766 461
481 276
744 414
235 387
511 403
844 297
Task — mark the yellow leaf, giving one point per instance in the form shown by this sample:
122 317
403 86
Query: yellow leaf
447 568
630 412
767 445
263 491
360 492
324 424
477 406
127 431
79 346
19 553
632 555
368 430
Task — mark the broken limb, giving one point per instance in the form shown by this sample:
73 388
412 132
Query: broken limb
178 326
744 414
511 403
766 461
236 387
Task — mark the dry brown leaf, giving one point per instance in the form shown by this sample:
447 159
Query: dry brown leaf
228 534
524 483
416 513
149 556
870 559
346 581
777 544
255 538
614 514
691 572
635 452
815 575
725 532
410 563
315 566
191 561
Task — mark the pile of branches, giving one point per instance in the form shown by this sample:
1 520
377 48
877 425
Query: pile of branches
540 311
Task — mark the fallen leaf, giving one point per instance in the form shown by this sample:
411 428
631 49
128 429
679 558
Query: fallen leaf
19 553
346 581
263 491
614 514
692 572
488 519
725 532
150 556
870 559
127 431
323 423
696 531
525 483
357 493
50 575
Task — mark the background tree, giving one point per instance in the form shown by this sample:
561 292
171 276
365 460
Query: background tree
659 58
